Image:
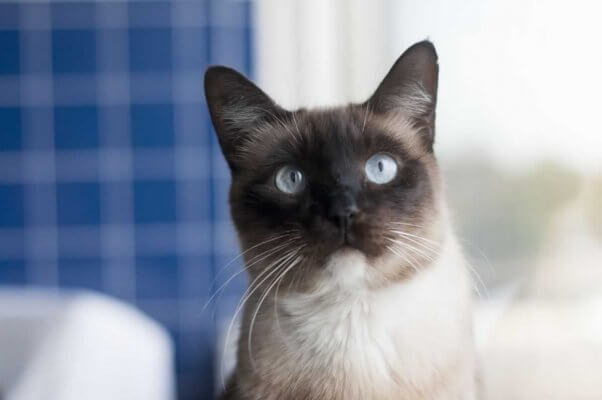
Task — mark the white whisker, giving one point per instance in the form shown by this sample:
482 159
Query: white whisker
268 271
270 239
258 258
276 314
474 272
263 297
366 112
404 255
299 136
487 263
407 224
430 241
434 251
412 248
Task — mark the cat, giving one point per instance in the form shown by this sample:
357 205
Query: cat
358 289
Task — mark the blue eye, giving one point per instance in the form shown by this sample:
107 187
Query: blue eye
381 168
290 180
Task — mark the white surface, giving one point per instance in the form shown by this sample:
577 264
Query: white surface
545 341
80 346
543 350
321 52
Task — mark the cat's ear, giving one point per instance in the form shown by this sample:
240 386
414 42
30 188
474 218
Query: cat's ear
237 108
410 88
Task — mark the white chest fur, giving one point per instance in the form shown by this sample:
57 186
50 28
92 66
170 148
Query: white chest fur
382 341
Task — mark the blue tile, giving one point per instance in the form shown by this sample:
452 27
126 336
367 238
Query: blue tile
76 127
11 209
157 277
70 14
197 384
194 349
200 277
150 49
113 60
12 272
167 271
231 14
194 48
149 13
81 273
116 198
165 311
155 201
9 15
10 52
74 51
231 49
10 133
152 125
237 284
194 363
80 243
78 203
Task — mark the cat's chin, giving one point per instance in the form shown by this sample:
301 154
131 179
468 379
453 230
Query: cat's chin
345 242
347 262
346 249
342 247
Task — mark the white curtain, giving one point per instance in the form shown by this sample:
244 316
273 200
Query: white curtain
519 80
319 52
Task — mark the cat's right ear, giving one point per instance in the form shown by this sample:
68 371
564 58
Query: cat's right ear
237 108
410 88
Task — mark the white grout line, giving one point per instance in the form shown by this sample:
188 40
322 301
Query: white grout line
186 269
153 238
41 235
78 89
68 20
118 241
183 164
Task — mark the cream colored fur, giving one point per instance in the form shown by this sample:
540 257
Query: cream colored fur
409 340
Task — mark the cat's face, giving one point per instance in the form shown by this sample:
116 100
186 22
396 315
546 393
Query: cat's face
310 184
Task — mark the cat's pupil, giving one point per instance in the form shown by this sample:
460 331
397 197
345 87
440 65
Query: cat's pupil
380 166
293 176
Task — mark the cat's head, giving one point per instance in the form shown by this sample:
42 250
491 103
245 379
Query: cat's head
308 184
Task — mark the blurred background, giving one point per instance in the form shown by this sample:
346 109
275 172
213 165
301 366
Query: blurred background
111 179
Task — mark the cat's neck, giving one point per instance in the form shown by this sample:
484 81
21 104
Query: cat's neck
412 335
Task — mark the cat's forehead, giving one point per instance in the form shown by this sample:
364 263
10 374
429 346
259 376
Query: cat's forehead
332 137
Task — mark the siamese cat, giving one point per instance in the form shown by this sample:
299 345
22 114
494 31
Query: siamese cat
358 288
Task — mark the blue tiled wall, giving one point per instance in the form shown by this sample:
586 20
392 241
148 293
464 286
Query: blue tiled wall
110 176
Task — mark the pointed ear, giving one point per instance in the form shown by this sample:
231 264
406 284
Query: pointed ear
237 108
410 88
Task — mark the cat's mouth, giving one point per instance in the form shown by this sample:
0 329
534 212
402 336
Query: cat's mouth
346 235
361 235
349 240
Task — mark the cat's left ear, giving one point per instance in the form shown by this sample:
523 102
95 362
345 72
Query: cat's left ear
237 108
410 88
